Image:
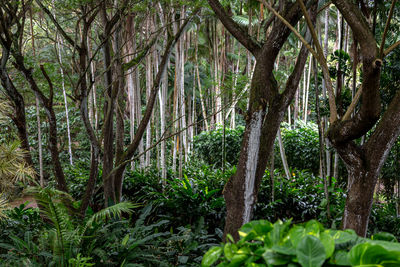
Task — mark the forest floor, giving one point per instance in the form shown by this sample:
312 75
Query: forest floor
17 202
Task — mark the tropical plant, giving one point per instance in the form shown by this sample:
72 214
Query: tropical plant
65 234
13 167
3 207
263 243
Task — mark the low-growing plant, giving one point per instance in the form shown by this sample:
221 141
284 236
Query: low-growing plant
301 198
280 244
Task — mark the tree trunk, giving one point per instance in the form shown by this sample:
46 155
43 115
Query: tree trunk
60 49
241 190
359 200
18 103
109 104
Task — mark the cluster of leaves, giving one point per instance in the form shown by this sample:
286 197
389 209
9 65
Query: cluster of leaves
265 244
13 167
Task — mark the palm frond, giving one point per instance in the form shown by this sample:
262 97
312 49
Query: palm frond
3 207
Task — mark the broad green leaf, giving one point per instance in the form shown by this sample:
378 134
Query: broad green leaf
310 252
276 235
341 237
384 236
313 228
296 234
366 253
340 258
328 242
211 256
390 246
287 248
273 258
229 250
238 260
255 230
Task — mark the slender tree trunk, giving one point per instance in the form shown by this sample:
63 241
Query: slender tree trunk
109 108
283 155
307 90
203 108
18 103
149 82
60 50
40 149
120 107
321 134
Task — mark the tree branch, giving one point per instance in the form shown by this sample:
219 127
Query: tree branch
51 88
236 30
353 104
58 26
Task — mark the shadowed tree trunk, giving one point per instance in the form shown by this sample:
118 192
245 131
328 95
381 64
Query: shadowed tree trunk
18 103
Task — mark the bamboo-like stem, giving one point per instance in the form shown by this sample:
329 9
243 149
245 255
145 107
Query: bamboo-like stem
391 48
322 61
382 47
295 32
353 104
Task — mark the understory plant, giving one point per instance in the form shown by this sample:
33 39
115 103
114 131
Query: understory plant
63 235
307 245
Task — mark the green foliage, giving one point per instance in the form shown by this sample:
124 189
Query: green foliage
301 198
263 243
64 235
208 146
301 147
13 167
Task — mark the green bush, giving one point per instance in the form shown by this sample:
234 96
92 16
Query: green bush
301 147
208 146
280 244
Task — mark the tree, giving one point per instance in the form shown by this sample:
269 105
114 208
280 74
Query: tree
267 106
12 18
364 161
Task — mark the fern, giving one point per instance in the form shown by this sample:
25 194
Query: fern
112 212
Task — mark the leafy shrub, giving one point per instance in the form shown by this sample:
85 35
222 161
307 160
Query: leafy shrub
301 147
19 221
208 146
63 235
383 218
308 244
301 198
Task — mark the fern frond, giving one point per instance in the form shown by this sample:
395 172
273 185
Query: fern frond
112 211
